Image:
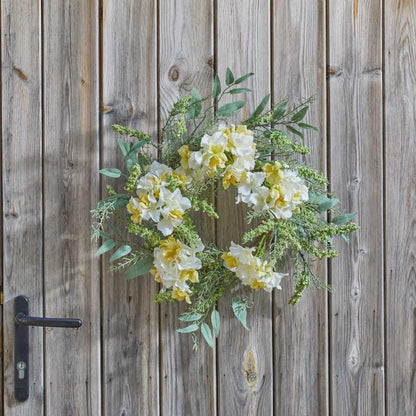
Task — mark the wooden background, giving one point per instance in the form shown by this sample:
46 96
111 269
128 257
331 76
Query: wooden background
71 68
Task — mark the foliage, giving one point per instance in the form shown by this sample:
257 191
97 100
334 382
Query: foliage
149 227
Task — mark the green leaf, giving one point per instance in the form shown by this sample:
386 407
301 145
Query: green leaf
229 77
280 111
140 268
299 115
206 332
107 245
293 130
230 108
240 311
102 233
316 197
215 321
239 90
121 252
344 218
217 87
112 173
190 318
123 146
243 78
260 107
195 105
190 328
324 206
308 126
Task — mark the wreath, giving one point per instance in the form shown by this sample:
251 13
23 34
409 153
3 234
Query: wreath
150 225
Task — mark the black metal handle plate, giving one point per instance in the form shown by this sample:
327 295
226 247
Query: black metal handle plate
21 342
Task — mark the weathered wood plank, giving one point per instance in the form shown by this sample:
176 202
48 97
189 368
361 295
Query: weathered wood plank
130 316
72 357
355 105
245 374
22 188
400 205
186 60
301 372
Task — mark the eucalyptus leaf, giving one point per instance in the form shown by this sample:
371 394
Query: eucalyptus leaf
239 90
206 332
190 318
293 130
260 107
243 78
140 268
280 111
190 328
299 115
121 252
324 206
230 108
217 87
112 172
195 105
107 246
229 77
215 321
123 146
344 218
240 311
308 126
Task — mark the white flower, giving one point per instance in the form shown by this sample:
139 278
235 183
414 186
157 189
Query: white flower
176 264
252 184
172 207
251 270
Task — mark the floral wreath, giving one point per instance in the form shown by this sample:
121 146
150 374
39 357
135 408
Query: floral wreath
202 151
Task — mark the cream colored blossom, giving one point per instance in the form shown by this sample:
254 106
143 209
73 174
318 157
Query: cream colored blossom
175 265
251 270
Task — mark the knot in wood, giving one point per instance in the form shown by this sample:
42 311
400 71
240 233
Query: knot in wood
250 369
173 73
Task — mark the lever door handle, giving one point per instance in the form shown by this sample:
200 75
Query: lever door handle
22 322
23 319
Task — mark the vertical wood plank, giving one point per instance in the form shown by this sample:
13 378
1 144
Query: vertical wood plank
356 312
245 370
72 357
186 60
130 316
400 205
300 383
22 188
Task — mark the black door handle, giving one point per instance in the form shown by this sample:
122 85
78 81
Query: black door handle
23 319
21 342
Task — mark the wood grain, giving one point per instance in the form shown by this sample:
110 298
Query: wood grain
72 357
400 205
22 189
186 60
356 305
300 372
130 316
245 376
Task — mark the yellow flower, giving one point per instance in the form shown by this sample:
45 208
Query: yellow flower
273 172
175 214
256 285
190 274
185 154
233 177
170 248
133 208
242 129
230 261
155 274
180 295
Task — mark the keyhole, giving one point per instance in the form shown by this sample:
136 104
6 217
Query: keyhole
21 366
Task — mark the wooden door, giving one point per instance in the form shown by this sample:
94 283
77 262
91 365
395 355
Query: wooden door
72 68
